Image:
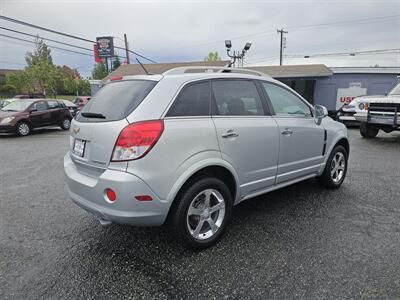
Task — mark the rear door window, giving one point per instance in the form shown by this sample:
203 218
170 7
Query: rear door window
53 104
193 100
41 105
117 100
236 98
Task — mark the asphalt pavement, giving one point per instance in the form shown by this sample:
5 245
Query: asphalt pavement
300 242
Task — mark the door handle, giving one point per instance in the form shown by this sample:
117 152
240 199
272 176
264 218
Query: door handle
229 133
287 131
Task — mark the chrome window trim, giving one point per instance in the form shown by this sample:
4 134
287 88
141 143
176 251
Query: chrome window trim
187 117
241 117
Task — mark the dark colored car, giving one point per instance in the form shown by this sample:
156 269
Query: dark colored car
73 108
22 116
81 101
28 96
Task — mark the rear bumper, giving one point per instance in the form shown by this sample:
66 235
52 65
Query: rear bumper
89 193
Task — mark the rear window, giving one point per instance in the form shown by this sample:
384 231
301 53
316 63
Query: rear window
116 100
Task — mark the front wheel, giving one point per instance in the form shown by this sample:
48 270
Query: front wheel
335 168
65 124
203 210
367 131
23 129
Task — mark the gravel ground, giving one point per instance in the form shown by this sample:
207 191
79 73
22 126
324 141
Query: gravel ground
299 242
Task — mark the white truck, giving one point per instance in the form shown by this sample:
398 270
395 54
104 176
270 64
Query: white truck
346 114
379 113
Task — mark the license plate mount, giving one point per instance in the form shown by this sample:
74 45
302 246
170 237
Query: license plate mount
79 147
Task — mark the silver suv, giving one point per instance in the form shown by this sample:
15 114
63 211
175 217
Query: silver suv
188 145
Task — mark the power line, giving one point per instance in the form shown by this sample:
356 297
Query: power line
351 53
367 52
264 59
51 40
294 27
51 46
66 34
357 21
46 39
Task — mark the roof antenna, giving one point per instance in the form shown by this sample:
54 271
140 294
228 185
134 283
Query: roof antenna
143 67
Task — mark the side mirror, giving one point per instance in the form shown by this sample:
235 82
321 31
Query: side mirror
320 112
32 110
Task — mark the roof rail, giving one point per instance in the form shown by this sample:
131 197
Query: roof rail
203 69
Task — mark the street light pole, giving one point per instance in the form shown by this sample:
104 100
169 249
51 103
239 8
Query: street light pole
239 55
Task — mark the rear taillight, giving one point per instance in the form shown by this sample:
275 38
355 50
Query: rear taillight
136 140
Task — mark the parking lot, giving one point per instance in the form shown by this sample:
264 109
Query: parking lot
300 242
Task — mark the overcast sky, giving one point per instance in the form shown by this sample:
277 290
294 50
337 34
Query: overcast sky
170 31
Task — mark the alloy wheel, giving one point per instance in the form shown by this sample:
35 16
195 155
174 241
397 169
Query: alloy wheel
23 129
206 214
66 124
338 166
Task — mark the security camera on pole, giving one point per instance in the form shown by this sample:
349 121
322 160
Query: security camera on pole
237 55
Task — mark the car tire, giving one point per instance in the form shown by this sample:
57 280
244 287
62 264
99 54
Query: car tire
65 124
23 129
196 224
335 169
367 131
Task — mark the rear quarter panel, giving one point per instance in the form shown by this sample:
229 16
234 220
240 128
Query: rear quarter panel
183 144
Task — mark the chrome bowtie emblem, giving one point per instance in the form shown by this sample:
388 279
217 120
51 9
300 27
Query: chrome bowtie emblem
76 130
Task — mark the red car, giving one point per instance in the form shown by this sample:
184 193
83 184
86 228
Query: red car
22 116
28 96
81 101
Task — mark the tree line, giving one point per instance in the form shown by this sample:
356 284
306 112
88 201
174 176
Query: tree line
42 76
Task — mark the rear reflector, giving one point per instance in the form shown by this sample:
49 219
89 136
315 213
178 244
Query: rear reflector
116 78
143 198
111 195
137 139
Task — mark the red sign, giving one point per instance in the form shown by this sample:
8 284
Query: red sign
96 54
346 99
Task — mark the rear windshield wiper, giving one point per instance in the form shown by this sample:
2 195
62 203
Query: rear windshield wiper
93 115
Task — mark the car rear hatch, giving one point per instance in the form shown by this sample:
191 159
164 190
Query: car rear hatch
96 128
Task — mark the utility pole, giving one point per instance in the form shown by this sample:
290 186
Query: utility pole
281 50
126 49
107 65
